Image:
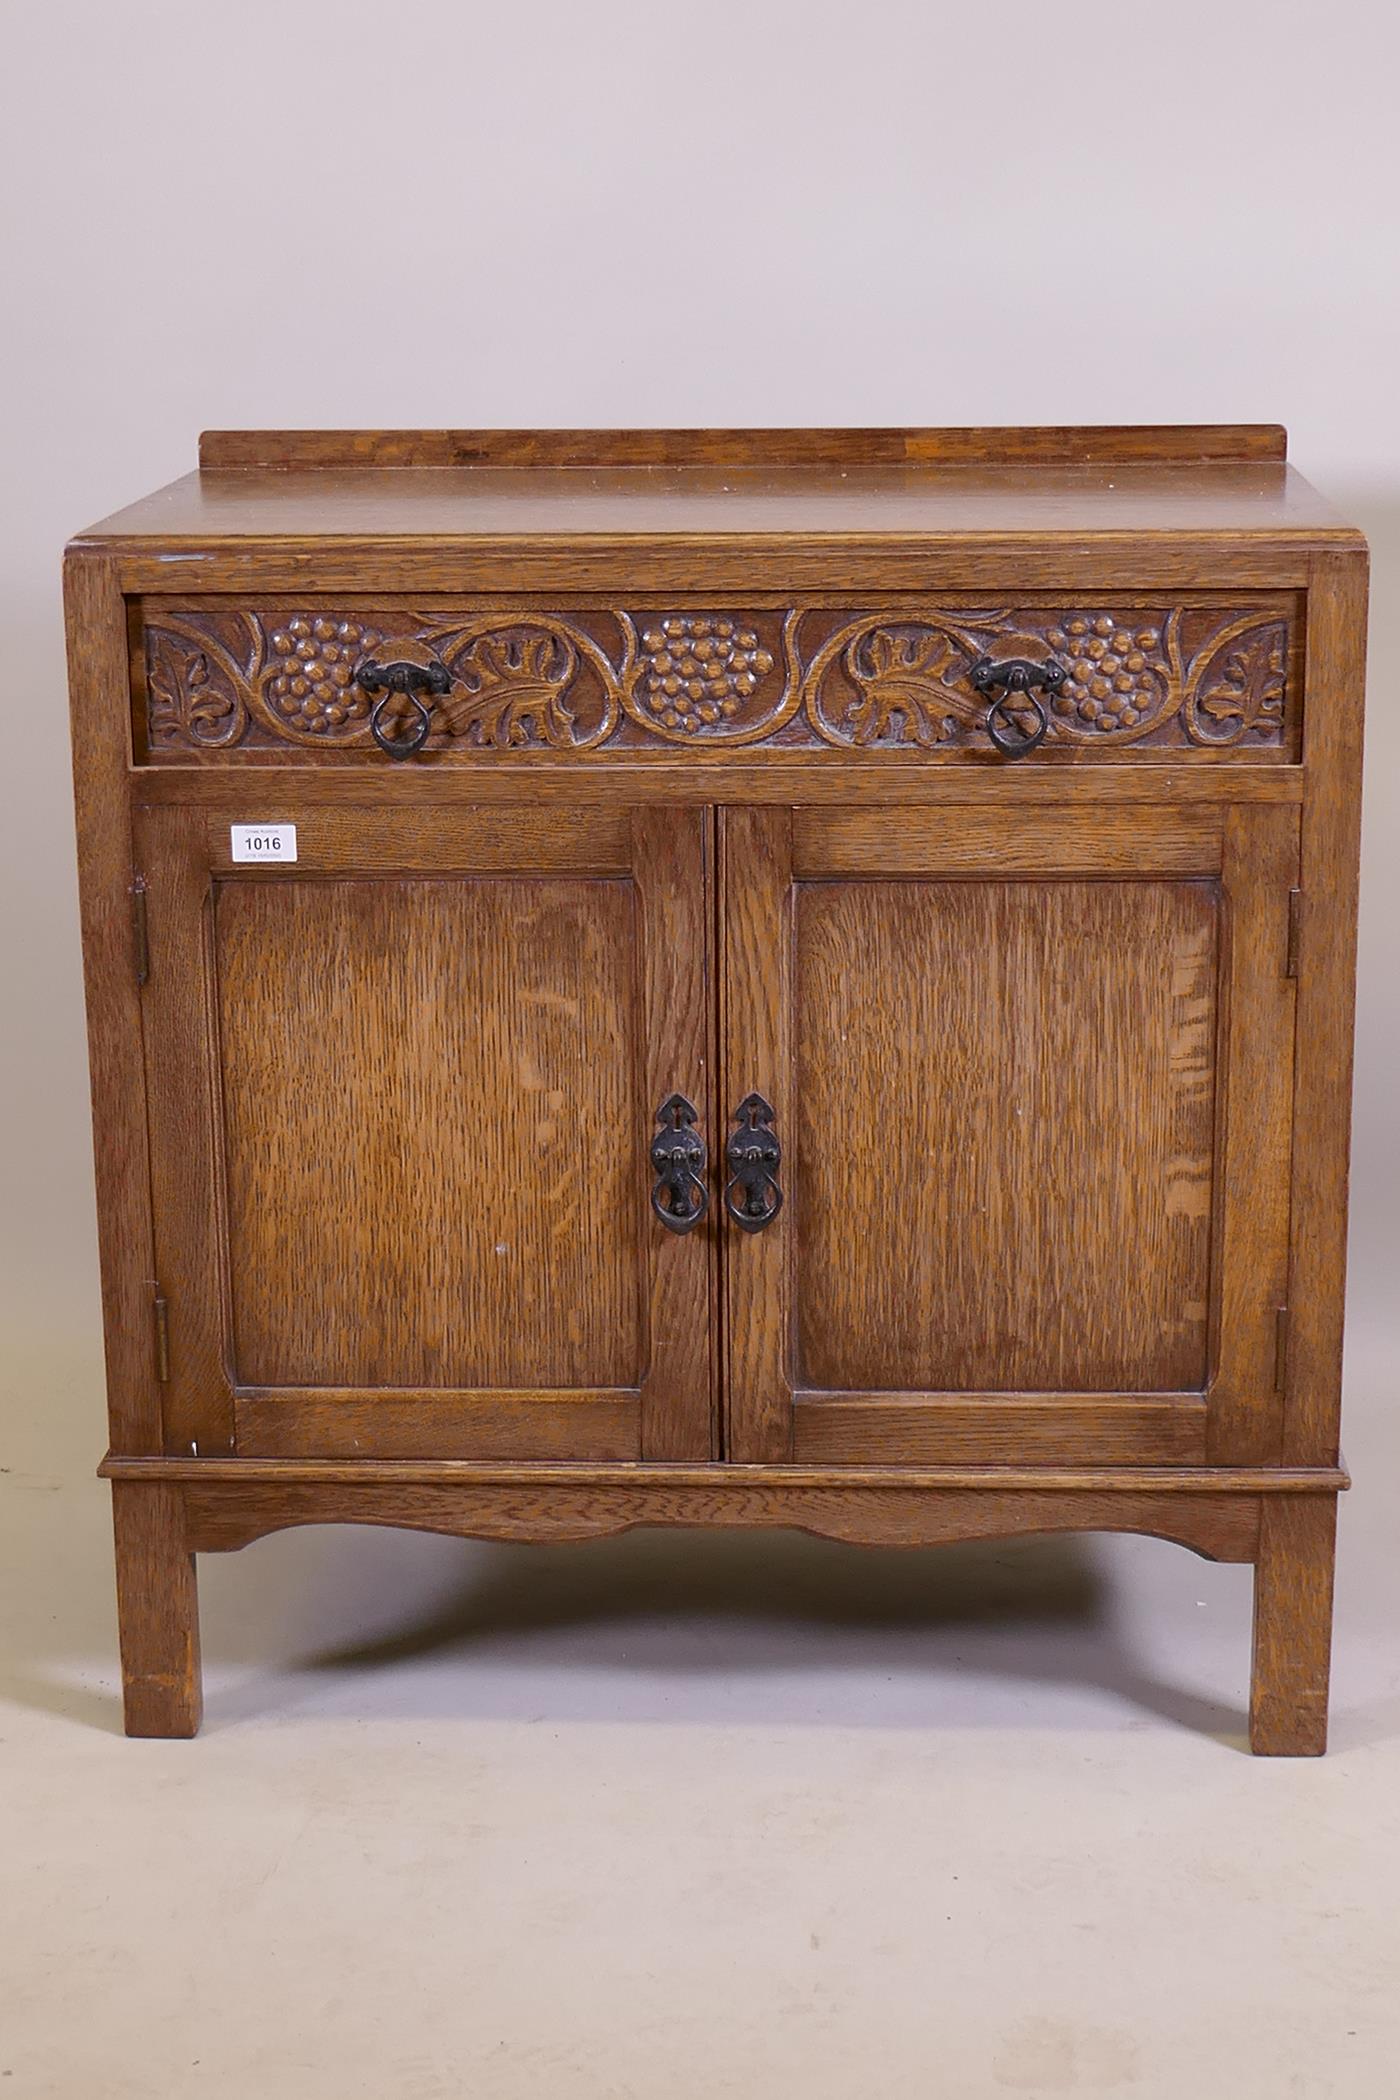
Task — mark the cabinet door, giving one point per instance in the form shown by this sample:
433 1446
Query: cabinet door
402 1091
1031 1075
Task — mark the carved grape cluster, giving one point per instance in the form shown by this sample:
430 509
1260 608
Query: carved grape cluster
1114 672
697 670
313 665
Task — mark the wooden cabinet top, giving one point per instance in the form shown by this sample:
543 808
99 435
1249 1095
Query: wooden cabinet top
1221 482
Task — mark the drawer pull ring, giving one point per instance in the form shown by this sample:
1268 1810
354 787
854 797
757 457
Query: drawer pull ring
679 1196
752 1196
1017 675
406 681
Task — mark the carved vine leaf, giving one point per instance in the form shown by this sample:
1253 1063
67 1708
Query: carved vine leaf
192 697
509 690
901 679
1241 691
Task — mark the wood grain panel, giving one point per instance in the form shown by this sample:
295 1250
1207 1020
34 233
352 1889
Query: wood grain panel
326 1423
817 777
671 856
186 1164
756 1057
517 838
1255 1137
1004 1134
431 1118
997 1428
158 1609
1331 843
1178 443
954 840
97 675
222 1516
1293 1626
1079 1478
412 540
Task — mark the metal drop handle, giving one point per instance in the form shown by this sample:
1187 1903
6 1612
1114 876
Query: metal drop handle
406 681
679 1196
752 1195
1026 679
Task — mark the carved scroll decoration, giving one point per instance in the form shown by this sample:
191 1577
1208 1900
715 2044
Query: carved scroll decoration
623 680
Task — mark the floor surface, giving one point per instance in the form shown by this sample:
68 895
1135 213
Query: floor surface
686 1815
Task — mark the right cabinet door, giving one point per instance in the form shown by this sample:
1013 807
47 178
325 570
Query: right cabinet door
1030 1073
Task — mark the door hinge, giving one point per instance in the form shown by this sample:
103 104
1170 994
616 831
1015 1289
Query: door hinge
1295 922
1280 1348
162 1327
140 937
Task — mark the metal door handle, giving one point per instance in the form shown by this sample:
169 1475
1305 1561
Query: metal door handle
679 1196
752 1195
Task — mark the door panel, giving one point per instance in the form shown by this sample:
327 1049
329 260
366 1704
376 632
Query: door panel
1033 1204
429 1109
402 1097
1035 1129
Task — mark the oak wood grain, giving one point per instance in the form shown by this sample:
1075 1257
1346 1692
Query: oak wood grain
488 509
1292 1626
515 1421
803 777
187 1181
1155 841
223 1517
672 857
1191 545
997 1428
221 450
97 677
1253 1137
778 1479
157 1608
756 1057
1004 1102
1326 1002
433 1131
457 841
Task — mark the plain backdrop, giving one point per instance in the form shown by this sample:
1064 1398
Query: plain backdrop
323 212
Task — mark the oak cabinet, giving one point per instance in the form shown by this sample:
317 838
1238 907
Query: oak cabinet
595 1028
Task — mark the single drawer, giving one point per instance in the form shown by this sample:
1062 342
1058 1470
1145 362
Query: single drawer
1214 677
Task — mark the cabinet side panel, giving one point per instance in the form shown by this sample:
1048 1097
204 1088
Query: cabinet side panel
98 685
1252 1193
1336 677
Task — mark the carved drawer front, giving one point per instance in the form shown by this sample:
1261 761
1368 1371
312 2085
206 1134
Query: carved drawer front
1215 677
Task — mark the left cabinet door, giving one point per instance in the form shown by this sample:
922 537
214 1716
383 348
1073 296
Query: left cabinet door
402 1091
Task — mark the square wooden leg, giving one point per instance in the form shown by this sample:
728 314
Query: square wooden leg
157 1610
1292 1626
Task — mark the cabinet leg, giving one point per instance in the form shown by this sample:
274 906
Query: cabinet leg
157 1610
1292 1626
